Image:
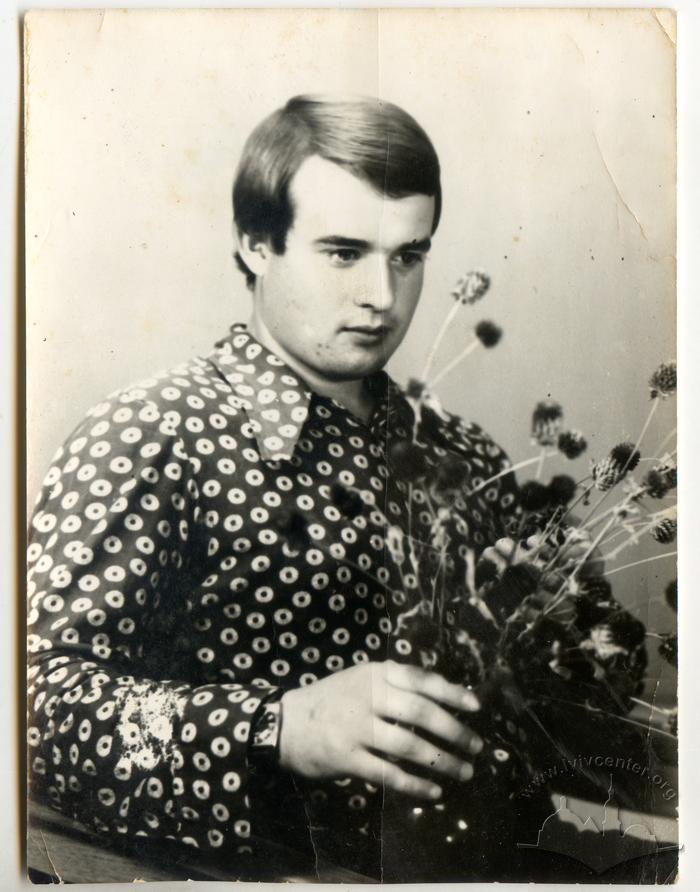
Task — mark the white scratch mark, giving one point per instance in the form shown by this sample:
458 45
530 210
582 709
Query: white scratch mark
53 866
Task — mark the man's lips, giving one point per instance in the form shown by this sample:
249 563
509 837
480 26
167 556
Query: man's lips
375 331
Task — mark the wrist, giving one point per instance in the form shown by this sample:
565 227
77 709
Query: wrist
286 737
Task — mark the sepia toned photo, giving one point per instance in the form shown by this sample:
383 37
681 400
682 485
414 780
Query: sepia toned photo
351 445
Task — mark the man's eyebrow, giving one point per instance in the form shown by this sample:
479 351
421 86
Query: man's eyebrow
344 241
423 246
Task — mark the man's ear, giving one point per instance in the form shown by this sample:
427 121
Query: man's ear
255 252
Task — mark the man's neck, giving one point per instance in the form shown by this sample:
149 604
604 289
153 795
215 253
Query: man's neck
352 394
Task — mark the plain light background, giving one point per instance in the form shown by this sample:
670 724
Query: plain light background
688 333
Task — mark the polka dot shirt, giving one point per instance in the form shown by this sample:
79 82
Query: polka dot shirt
166 602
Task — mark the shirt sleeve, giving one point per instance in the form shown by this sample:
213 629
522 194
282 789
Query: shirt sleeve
118 736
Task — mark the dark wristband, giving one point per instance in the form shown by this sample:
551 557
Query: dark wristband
266 730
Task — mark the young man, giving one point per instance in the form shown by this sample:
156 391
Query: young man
209 621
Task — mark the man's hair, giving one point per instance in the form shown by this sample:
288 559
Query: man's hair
374 140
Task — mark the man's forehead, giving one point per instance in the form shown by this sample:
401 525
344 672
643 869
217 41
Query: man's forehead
329 200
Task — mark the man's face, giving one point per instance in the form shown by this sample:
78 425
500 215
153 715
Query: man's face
339 300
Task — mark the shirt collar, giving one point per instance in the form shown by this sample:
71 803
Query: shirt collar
278 401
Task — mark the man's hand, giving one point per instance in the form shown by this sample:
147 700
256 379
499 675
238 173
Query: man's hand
346 724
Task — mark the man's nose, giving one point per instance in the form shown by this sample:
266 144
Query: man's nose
378 293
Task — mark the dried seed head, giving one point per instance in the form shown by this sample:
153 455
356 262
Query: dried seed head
655 484
627 631
471 287
596 588
671 594
546 422
534 496
668 649
488 333
561 489
572 443
415 389
665 530
610 470
663 382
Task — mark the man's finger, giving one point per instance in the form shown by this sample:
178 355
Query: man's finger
403 744
378 771
430 684
421 712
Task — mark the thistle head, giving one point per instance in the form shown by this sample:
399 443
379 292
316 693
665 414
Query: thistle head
627 631
620 633
655 484
671 594
595 588
415 389
534 496
668 649
572 443
609 471
471 287
488 333
661 479
665 530
663 382
561 489
546 422
590 613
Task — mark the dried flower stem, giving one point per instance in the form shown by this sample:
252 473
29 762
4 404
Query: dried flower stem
665 440
553 524
581 498
613 536
634 537
620 506
657 557
540 465
664 710
447 321
561 594
454 362
510 470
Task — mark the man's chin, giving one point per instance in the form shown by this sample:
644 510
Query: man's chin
351 369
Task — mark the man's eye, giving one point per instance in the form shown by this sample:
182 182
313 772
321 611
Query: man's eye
343 256
407 259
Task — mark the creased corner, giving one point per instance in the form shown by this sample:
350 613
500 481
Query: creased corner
666 20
